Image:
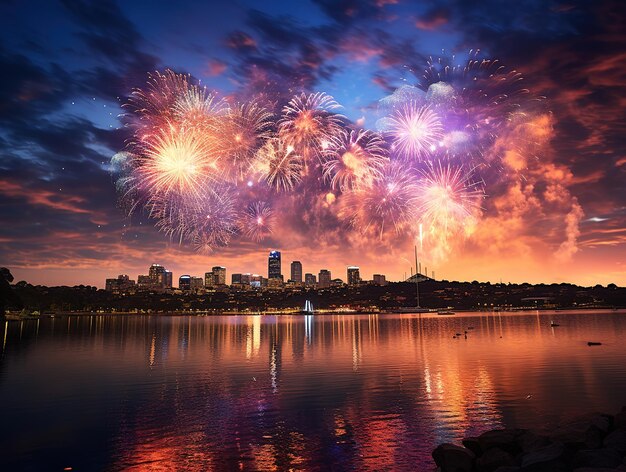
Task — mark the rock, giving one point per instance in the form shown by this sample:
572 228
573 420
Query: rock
609 458
452 458
492 459
616 440
574 432
594 437
619 420
530 441
595 469
545 459
505 439
473 445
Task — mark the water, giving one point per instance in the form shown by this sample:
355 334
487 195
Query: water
366 392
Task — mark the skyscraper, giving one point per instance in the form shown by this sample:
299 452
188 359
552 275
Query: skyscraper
273 265
157 276
379 279
219 275
296 271
310 280
324 278
184 282
167 279
354 278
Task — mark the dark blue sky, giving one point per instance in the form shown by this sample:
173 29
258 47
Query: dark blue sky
68 65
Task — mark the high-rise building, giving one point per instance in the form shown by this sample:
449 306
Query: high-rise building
167 279
379 279
196 283
219 275
119 285
208 279
184 282
354 277
235 279
296 272
144 282
324 278
273 265
310 280
156 274
256 280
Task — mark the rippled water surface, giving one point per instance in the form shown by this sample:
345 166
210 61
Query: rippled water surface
363 392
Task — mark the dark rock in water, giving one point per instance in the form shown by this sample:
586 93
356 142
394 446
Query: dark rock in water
473 445
619 420
530 441
594 437
591 343
492 459
452 458
595 469
616 440
574 432
545 459
597 458
505 439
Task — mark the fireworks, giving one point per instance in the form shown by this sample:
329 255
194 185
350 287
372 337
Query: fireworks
389 204
177 162
196 107
195 158
353 159
245 130
448 201
416 131
256 222
309 122
279 165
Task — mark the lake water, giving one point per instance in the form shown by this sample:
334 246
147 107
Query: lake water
347 392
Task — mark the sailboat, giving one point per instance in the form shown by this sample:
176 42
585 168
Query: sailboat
418 308
308 308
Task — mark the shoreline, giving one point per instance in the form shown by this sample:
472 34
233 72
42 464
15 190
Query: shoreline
593 442
434 313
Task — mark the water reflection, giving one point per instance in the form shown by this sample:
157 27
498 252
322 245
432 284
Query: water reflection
371 392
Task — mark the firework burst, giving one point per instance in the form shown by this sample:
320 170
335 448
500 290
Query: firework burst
354 159
309 121
176 162
416 131
206 222
257 221
154 105
279 165
449 201
246 129
196 107
389 204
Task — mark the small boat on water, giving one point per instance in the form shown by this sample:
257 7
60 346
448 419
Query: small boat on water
553 324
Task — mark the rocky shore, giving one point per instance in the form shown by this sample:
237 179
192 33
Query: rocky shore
593 443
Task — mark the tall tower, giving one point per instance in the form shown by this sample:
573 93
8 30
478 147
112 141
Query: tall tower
354 278
273 266
324 279
296 271
219 275
157 275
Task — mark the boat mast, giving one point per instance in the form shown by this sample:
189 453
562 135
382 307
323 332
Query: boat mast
417 288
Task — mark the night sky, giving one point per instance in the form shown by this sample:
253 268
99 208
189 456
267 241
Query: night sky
68 66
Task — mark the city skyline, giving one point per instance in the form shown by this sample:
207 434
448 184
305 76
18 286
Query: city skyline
552 213
159 277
